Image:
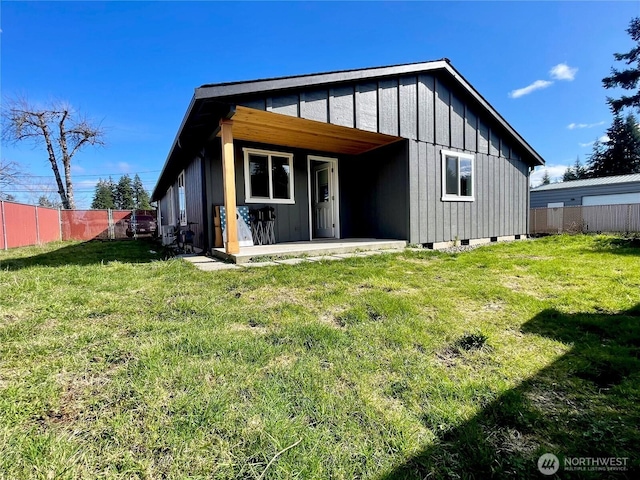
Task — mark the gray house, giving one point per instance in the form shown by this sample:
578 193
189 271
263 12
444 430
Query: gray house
410 152
616 190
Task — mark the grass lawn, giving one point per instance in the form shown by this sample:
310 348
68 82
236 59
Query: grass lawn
116 364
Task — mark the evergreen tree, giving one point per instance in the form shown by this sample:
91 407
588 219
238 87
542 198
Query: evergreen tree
619 154
114 192
580 170
44 201
103 196
627 79
140 195
577 172
546 179
569 175
124 194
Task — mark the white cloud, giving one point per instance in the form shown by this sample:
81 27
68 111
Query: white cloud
537 85
124 167
602 139
119 167
555 172
562 71
573 126
84 184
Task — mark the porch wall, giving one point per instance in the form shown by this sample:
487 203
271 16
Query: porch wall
292 221
374 194
213 186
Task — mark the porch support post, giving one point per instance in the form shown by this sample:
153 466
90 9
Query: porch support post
229 180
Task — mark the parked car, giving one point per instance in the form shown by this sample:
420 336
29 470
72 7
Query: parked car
141 225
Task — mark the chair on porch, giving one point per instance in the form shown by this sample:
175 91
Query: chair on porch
263 225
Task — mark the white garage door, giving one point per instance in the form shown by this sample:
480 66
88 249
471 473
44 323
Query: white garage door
614 199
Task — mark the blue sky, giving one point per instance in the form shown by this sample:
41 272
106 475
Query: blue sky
134 65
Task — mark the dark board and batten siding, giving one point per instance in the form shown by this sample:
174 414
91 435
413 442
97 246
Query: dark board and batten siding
193 180
169 206
163 204
432 114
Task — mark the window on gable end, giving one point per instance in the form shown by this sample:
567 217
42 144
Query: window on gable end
458 171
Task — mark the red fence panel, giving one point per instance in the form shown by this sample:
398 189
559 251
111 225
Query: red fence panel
121 219
85 224
48 225
20 225
2 246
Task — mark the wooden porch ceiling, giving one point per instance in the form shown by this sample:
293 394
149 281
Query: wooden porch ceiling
273 128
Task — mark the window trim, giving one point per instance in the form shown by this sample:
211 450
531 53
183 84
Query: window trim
443 164
247 178
182 214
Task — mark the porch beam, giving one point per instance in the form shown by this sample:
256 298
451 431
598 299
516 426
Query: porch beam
229 180
278 129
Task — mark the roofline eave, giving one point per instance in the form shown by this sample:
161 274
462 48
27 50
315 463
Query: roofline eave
283 83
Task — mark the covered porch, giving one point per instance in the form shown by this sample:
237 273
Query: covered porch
274 130
308 249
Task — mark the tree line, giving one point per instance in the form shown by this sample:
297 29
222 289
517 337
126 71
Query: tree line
126 194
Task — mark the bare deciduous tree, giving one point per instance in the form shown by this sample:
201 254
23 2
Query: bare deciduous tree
9 176
61 129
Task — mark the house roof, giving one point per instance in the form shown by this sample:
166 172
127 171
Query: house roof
589 182
216 101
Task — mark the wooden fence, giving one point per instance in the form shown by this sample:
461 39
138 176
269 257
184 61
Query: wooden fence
592 219
22 225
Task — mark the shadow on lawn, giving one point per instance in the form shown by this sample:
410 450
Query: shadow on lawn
88 253
618 245
585 404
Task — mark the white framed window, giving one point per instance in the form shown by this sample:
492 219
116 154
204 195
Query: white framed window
182 200
268 176
458 172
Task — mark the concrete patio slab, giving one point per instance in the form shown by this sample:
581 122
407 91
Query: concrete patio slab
215 266
320 258
291 261
312 248
257 264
